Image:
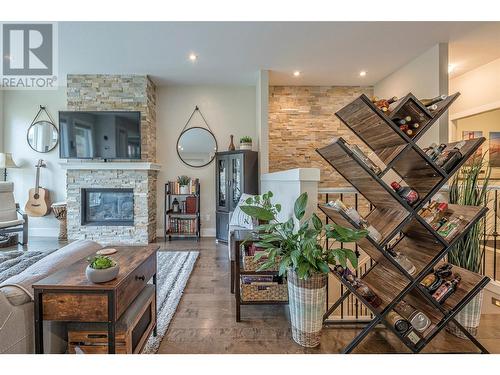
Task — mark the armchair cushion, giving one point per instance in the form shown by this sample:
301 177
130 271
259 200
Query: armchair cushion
11 223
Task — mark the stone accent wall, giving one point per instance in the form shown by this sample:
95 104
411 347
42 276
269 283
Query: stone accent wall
143 183
102 92
302 119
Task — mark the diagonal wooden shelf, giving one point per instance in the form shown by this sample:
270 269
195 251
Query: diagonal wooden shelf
419 242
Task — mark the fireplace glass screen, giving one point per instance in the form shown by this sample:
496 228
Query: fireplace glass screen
107 207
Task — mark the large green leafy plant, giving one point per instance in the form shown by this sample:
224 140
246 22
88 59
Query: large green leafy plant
468 188
299 247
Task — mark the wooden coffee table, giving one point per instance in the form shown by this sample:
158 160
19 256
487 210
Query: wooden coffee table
67 295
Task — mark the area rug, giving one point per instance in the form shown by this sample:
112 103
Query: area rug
174 269
14 262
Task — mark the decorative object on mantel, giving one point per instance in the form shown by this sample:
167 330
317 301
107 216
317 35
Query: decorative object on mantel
6 161
42 135
60 212
184 184
107 251
196 146
38 203
101 269
246 143
231 145
302 258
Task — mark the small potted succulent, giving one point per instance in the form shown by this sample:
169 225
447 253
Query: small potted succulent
101 269
246 143
184 184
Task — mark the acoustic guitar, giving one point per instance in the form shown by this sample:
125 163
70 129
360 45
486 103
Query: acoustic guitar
39 198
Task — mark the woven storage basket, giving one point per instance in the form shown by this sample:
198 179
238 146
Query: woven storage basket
278 292
249 264
469 317
307 305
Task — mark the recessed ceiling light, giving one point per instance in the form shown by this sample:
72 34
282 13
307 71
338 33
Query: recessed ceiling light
296 73
451 67
362 73
192 57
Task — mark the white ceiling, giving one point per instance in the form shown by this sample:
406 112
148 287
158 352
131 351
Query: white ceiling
327 53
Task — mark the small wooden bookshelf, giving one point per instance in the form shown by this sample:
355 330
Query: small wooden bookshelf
185 223
392 216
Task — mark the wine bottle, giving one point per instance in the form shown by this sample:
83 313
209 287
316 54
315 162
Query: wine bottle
431 101
436 224
447 160
446 289
405 192
354 215
403 261
449 229
432 108
364 290
415 125
400 122
437 212
417 319
400 324
365 159
383 104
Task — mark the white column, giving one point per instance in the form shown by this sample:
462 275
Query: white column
288 185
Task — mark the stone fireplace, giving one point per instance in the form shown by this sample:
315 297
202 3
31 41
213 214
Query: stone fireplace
113 202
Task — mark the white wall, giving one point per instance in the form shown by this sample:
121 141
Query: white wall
425 76
262 109
20 107
227 109
479 88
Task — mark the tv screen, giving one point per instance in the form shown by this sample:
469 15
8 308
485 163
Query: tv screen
100 135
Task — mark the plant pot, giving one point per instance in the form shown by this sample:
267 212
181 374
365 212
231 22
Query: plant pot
307 303
101 276
184 189
246 146
469 317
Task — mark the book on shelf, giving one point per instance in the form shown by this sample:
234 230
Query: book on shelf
175 188
182 226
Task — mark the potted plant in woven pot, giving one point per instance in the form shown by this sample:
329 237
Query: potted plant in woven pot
184 184
470 188
246 143
303 260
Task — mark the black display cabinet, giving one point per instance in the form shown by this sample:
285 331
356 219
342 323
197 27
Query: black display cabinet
236 173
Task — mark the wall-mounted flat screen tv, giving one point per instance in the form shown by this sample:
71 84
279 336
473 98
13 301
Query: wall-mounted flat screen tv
100 135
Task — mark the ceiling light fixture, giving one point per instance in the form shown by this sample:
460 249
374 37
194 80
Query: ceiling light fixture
451 68
192 57
362 73
296 73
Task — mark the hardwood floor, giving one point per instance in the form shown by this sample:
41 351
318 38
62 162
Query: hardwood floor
205 318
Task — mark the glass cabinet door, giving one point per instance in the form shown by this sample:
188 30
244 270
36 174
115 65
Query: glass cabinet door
222 185
236 183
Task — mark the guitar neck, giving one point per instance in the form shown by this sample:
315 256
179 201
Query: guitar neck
37 182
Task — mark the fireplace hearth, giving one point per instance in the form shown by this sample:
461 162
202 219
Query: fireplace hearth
107 207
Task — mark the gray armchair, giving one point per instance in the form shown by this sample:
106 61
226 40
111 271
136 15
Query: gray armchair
12 220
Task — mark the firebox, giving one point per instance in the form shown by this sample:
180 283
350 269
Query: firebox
102 207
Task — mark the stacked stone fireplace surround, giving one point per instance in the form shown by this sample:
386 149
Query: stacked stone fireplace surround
115 93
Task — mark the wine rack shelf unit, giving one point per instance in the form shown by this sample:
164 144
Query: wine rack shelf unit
392 215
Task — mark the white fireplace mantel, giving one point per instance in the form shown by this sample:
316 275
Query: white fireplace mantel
110 165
